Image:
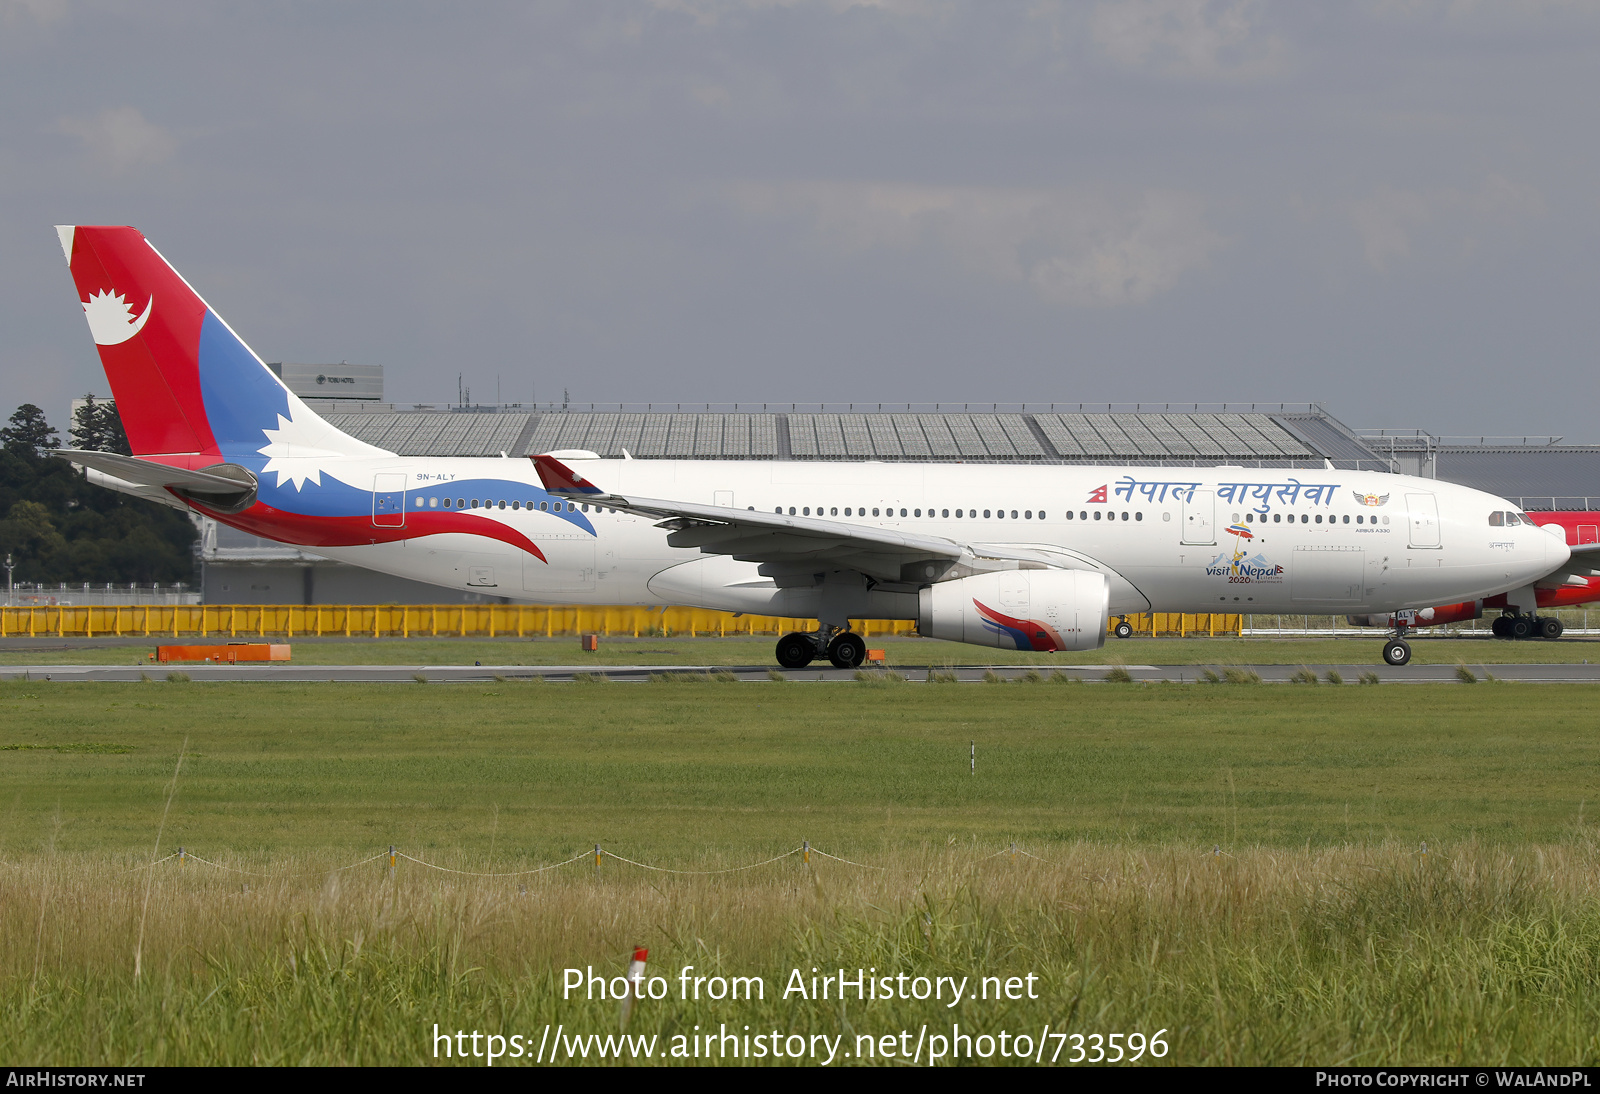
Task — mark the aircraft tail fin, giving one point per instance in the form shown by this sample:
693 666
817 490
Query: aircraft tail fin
187 387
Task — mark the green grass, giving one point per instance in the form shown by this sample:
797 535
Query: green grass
1320 934
1427 650
677 771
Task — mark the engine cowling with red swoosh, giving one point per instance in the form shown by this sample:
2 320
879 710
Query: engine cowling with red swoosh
1038 610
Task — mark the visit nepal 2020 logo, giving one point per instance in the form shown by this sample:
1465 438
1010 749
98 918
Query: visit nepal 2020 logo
1241 570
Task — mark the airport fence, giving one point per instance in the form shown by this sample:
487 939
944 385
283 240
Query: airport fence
391 860
468 620
1577 622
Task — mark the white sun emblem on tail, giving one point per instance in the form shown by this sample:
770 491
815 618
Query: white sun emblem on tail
111 318
293 452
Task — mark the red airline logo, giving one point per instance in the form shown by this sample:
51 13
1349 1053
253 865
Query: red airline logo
1098 495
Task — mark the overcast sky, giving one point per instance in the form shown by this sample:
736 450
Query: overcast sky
1389 207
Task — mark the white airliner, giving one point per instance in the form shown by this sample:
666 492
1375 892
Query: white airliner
1015 557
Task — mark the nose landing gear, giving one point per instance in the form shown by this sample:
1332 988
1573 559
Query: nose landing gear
1123 629
1396 652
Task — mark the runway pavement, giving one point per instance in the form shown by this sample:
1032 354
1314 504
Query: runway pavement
447 674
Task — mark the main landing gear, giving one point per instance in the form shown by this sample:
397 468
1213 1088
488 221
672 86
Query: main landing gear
1526 626
845 649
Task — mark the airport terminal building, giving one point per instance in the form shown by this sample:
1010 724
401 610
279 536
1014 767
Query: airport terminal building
1539 473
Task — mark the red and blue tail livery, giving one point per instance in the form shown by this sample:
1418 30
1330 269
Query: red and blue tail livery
193 395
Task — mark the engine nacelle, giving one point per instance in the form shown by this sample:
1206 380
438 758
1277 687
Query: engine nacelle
1422 617
1044 610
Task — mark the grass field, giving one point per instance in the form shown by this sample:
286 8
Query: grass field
1319 934
1427 650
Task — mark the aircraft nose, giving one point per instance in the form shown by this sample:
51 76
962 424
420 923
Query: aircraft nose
1556 551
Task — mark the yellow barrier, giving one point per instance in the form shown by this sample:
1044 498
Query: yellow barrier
461 620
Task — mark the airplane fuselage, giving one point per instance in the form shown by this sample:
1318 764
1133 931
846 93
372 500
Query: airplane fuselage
1215 539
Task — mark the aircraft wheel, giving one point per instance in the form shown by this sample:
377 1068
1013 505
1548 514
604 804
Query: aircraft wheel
1501 627
1124 629
1521 627
796 651
847 650
1396 652
1550 627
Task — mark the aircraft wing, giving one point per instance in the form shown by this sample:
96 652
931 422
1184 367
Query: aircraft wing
783 543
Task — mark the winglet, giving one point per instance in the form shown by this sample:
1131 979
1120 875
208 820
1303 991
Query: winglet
558 478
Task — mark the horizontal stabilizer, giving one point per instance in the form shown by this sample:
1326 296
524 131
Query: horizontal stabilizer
145 473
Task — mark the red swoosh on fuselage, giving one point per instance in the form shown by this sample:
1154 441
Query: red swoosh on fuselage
263 520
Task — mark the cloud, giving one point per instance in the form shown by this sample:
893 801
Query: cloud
708 12
39 11
1072 248
1389 221
1203 39
122 138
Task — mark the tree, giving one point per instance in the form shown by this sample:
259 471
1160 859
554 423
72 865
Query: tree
29 434
59 527
97 427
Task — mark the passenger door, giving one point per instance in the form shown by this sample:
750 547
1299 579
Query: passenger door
1422 514
389 501
1200 517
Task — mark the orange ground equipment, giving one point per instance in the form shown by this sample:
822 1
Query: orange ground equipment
229 654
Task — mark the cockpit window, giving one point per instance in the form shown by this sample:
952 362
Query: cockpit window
1497 520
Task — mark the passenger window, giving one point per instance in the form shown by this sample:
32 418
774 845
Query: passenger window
518 505
946 512
461 503
1027 514
1138 516
1124 514
1305 518
1097 514
1083 514
1347 518
1041 514
874 511
433 503
903 512
1277 518
986 514
834 511
806 512
1069 514
474 503
958 512
1000 514
1013 514
791 510
1359 519
918 512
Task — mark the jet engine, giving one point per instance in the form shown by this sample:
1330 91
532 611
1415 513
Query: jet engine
1044 610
